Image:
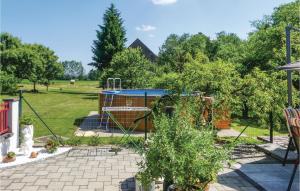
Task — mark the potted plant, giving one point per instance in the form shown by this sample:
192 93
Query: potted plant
26 124
10 157
51 146
185 157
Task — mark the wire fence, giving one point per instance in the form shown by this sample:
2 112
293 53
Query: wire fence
69 114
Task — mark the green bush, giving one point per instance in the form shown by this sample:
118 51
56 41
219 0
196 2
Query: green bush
74 141
51 145
180 153
26 120
8 83
94 141
11 154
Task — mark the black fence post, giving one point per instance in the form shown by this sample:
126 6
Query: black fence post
145 120
20 103
271 126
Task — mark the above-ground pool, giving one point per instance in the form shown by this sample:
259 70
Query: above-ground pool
138 92
128 98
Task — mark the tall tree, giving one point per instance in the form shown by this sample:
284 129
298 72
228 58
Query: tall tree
110 38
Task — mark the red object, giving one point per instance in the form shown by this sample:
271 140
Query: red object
222 124
4 118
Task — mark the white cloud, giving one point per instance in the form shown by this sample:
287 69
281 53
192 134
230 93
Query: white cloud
145 28
163 2
151 35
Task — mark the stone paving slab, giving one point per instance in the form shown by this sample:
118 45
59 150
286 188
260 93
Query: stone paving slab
272 177
277 151
94 172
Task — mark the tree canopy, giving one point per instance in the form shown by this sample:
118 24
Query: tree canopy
34 62
72 69
132 67
110 39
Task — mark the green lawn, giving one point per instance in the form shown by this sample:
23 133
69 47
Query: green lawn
62 106
254 129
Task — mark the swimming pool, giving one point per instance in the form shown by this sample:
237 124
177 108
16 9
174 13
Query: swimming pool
129 98
138 92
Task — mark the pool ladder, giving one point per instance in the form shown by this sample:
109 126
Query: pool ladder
114 80
104 121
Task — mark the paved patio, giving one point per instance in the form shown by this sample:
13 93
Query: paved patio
94 169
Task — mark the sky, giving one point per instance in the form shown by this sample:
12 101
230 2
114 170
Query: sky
69 26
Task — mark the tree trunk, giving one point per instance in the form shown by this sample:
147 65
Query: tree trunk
34 90
245 111
47 86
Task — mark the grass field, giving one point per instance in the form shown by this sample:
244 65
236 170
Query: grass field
61 106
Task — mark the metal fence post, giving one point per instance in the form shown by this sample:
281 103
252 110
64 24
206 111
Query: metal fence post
20 103
271 126
145 120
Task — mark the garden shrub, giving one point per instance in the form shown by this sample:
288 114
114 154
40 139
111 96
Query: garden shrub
180 153
74 141
8 83
94 141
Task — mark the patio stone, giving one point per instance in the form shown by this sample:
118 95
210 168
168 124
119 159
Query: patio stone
104 172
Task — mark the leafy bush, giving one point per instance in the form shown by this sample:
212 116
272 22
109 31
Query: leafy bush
51 146
94 141
74 141
11 154
180 153
26 120
8 83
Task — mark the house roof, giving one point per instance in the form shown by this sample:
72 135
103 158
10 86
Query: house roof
145 50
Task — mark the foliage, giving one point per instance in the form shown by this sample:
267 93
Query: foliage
34 62
170 81
26 120
51 146
110 38
180 153
178 50
266 46
217 79
11 154
93 75
7 41
74 141
8 83
72 69
228 47
132 67
50 69
264 93
94 141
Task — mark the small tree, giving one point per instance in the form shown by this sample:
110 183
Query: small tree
110 39
51 68
72 69
132 67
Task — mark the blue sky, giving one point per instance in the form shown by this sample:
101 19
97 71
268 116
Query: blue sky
68 26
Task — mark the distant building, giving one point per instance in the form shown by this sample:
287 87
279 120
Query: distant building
145 50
